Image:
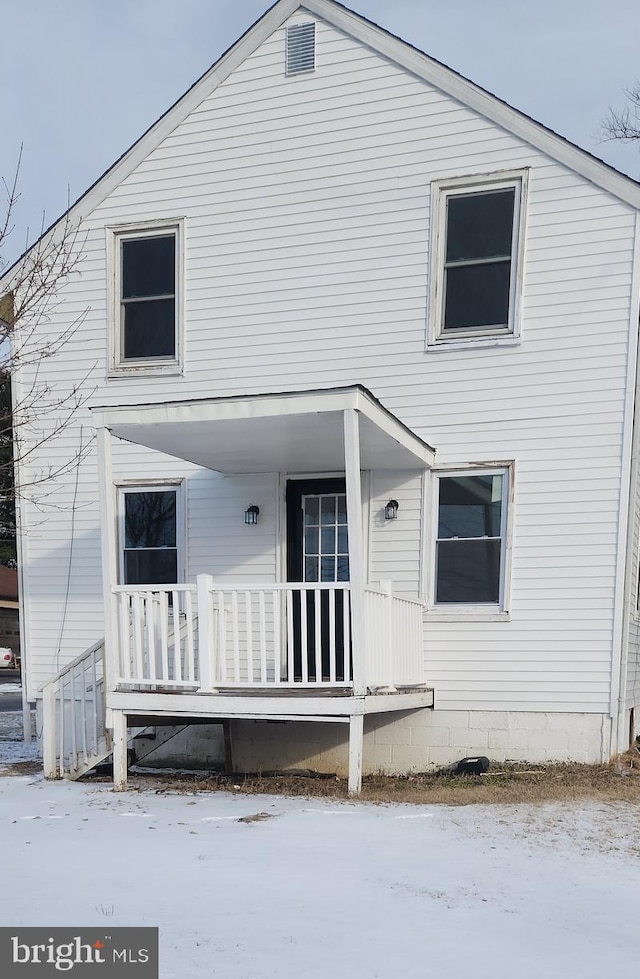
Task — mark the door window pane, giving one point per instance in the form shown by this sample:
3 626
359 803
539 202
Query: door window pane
325 537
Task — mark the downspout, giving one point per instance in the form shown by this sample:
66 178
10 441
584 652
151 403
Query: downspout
626 526
9 327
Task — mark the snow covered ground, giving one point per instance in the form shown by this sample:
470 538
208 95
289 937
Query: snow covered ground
313 889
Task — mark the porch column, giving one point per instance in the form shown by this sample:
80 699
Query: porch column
119 748
356 737
108 542
356 549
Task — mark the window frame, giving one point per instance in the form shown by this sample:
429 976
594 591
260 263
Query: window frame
153 486
441 191
483 610
118 365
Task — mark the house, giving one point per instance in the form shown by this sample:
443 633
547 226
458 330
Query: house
9 611
360 360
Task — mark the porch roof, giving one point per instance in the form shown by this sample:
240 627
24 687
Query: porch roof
297 431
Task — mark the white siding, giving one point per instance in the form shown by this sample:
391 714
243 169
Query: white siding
306 207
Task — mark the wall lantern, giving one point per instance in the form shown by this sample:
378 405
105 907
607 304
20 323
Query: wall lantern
391 510
251 514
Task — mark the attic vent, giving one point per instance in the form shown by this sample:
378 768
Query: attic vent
301 48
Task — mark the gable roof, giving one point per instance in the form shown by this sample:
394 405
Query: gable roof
390 46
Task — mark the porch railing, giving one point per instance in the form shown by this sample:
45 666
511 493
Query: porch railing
74 736
393 640
157 636
275 635
210 635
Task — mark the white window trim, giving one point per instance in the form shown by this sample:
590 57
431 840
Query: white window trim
454 612
158 486
152 365
440 191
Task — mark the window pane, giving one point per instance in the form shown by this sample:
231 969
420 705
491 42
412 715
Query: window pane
470 506
328 540
327 569
311 540
477 296
148 267
480 225
343 569
343 540
342 508
150 519
311 569
150 329
155 567
327 509
311 505
468 571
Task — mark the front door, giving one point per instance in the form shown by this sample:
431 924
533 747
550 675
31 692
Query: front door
318 551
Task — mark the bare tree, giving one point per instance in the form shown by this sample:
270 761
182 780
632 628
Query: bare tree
29 294
624 124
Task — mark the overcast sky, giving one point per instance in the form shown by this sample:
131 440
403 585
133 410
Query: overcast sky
80 80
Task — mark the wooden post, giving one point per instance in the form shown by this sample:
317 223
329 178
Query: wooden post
49 731
119 748
386 585
356 738
356 549
205 651
109 558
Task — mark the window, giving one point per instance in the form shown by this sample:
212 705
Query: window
147 302
477 243
148 535
300 46
470 539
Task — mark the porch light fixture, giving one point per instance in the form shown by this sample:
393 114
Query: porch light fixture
251 514
391 510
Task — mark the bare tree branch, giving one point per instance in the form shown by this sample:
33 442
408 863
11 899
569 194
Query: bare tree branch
624 124
42 410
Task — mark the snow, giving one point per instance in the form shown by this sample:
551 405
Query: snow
10 688
259 887
11 731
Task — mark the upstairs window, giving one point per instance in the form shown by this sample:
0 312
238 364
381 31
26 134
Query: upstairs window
148 532
147 281
477 246
470 542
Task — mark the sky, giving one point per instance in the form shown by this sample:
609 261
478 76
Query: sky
80 80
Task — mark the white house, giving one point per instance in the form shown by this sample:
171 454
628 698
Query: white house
360 357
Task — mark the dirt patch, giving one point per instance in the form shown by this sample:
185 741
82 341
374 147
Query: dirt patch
504 784
21 768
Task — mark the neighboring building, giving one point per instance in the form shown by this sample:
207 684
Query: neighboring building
337 278
9 611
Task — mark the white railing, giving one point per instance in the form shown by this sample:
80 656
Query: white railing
157 636
211 636
73 724
393 640
276 635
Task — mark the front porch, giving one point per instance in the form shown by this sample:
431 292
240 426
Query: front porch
332 648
